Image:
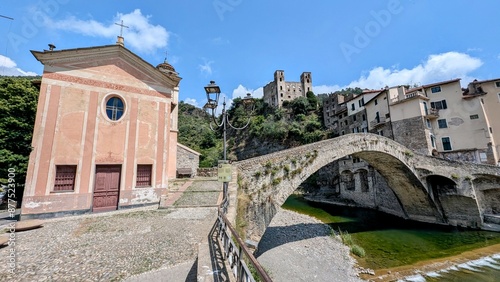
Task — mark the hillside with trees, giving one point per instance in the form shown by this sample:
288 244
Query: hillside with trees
271 129
195 132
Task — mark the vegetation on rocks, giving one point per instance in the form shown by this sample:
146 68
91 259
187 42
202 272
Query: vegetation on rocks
298 122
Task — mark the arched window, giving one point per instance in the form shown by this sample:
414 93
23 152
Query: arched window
114 108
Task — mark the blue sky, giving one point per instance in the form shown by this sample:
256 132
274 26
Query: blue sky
240 43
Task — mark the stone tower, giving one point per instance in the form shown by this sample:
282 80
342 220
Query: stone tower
279 81
306 81
279 90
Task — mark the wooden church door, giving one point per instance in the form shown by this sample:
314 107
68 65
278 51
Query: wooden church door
106 188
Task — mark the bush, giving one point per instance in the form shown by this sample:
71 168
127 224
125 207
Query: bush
300 117
286 169
276 181
346 238
357 250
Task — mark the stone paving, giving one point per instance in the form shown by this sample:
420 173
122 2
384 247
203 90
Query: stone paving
109 246
192 193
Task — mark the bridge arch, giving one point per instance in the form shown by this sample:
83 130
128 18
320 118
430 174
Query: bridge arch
487 189
267 181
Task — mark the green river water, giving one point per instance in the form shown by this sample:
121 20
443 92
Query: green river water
390 241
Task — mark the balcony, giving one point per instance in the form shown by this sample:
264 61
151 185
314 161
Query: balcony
408 96
414 94
341 109
432 113
377 122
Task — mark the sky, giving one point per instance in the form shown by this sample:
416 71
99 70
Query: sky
241 43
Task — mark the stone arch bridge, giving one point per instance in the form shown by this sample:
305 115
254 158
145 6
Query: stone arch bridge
428 189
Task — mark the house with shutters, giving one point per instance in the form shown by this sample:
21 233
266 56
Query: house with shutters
105 135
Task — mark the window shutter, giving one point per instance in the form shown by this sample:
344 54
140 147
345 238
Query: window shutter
65 178
143 178
444 104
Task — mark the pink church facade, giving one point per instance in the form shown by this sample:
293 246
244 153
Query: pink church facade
105 134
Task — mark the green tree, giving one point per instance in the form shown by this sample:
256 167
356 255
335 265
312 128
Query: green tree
300 106
313 100
195 132
18 103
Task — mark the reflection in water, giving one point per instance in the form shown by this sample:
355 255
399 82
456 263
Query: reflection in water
391 241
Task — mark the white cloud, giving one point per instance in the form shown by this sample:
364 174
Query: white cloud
474 49
9 67
241 91
192 101
7 62
436 68
141 35
323 89
206 68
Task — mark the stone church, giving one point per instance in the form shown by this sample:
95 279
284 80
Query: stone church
105 134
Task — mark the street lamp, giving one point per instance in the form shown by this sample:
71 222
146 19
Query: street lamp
213 94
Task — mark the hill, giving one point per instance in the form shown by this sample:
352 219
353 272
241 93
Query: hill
271 129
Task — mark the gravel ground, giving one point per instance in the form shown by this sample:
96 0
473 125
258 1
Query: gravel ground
108 246
298 247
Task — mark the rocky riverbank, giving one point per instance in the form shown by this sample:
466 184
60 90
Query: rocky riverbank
298 247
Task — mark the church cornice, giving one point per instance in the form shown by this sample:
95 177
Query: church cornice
98 53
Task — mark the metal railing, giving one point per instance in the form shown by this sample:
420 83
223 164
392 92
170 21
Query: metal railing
432 112
236 253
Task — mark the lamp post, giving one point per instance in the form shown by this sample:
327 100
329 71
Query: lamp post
213 94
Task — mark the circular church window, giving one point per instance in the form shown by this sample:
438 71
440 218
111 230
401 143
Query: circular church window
115 108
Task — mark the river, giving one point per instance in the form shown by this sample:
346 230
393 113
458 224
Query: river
391 244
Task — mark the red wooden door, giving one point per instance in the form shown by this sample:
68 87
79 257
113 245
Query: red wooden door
107 188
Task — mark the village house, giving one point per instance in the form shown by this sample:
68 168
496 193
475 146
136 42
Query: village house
439 119
105 134
484 99
378 114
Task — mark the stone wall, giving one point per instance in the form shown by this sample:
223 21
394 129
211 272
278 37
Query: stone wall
409 132
207 172
187 158
463 155
254 148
